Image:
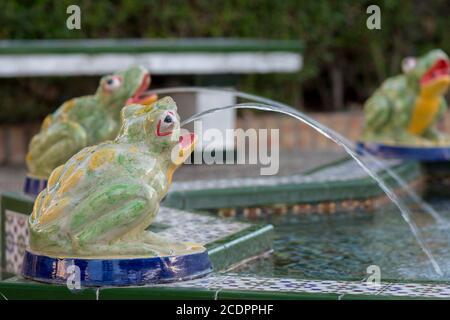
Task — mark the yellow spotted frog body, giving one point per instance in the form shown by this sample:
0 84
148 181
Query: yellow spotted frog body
406 108
101 201
85 121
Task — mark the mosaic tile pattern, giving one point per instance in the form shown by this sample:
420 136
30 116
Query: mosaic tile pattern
231 281
348 170
417 290
16 238
178 225
185 226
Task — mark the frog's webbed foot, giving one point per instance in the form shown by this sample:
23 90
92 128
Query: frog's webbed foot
123 249
169 246
54 146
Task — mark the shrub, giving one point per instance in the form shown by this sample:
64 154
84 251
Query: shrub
343 60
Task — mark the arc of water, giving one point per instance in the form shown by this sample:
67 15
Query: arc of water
413 195
274 106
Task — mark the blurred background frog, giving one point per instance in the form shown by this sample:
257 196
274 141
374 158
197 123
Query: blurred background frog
86 120
406 108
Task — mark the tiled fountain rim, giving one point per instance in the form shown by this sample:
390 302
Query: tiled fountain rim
276 285
328 173
219 236
230 285
339 183
236 285
227 284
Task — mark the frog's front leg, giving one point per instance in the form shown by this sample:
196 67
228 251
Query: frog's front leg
164 245
404 137
436 136
168 246
433 133
110 221
105 130
54 146
401 120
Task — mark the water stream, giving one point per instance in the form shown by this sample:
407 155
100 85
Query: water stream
274 106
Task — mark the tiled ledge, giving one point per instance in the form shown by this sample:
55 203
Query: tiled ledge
232 286
228 241
230 281
337 181
341 171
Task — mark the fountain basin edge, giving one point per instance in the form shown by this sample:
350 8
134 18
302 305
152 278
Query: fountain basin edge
116 272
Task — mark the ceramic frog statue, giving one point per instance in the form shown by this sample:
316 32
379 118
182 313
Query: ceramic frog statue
405 109
101 201
84 121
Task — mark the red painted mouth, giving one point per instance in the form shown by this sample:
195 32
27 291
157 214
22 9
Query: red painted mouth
440 69
138 96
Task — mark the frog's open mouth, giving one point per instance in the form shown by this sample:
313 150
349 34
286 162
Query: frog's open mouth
187 141
139 97
439 71
182 151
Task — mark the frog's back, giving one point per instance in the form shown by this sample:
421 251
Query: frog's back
75 109
379 108
94 166
392 88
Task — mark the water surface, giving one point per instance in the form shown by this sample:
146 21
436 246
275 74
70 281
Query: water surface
343 245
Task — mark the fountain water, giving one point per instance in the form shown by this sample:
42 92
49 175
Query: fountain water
265 104
323 129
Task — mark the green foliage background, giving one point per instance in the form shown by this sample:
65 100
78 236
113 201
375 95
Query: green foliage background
344 61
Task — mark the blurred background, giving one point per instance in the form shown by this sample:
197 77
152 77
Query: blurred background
343 61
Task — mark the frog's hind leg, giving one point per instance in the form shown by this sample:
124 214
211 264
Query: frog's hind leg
378 111
54 146
111 220
433 133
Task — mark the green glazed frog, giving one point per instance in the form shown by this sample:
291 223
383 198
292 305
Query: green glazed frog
85 121
101 201
405 109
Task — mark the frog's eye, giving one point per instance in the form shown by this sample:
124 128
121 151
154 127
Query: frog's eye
112 83
166 124
408 64
168 119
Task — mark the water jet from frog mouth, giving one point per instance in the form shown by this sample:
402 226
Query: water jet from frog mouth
265 104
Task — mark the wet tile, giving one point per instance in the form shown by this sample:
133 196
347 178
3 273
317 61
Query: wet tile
360 288
16 228
187 226
232 281
13 257
418 290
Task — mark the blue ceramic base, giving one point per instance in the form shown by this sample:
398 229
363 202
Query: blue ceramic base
431 154
33 185
117 272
